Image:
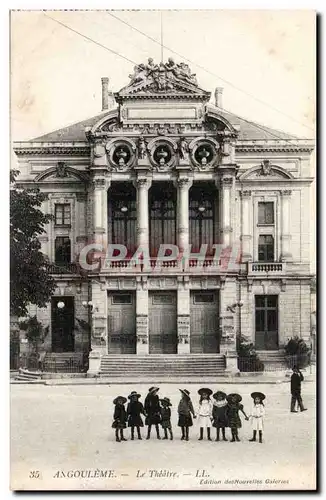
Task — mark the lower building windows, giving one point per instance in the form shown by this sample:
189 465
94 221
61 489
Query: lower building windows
62 250
266 316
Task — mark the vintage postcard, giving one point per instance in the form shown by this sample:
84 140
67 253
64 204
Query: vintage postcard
162 239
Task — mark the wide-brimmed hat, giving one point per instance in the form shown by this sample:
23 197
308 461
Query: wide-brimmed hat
121 398
205 390
134 393
229 397
219 393
153 389
166 401
185 392
259 395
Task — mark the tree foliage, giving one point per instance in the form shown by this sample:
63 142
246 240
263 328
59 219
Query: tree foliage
34 330
30 281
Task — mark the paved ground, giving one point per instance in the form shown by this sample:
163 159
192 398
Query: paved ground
63 431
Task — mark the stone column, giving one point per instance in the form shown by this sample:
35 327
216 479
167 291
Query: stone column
184 184
285 224
98 327
142 184
246 230
226 185
142 318
228 326
183 310
100 215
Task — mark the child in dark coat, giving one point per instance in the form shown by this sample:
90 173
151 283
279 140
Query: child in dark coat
153 411
220 420
119 418
134 411
234 406
166 417
185 410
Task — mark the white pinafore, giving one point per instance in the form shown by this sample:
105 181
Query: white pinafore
205 414
257 417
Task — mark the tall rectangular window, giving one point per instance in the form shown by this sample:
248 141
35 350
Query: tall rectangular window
266 248
62 214
62 250
266 212
266 316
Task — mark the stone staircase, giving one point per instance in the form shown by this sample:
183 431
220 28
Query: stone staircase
160 366
273 360
28 376
63 362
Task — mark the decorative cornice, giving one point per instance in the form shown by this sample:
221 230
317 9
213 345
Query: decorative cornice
65 150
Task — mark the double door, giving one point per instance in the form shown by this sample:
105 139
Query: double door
204 322
162 316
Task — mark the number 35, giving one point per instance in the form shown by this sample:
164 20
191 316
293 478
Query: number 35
34 474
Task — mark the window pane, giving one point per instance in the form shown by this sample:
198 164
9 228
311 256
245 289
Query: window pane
261 254
272 301
272 321
121 299
260 300
200 298
269 213
270 253
266 212
260 319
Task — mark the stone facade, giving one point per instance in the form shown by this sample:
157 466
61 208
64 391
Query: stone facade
164 129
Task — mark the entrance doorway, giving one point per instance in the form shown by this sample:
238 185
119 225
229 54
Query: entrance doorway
62 324
162 312
266 316
121 323
204 322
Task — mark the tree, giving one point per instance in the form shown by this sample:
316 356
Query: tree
30 281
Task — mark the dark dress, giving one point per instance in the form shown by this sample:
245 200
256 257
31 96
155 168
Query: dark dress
166 418
134 411
233 415
185 409
152 409
220 416
120 417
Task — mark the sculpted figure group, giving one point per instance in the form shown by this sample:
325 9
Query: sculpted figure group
163 73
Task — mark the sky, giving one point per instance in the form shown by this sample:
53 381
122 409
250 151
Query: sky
264 56
264 60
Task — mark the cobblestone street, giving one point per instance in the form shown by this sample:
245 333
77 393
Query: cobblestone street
63 431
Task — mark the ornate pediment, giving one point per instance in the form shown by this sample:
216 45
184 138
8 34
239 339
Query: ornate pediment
265 171
61 173
164 80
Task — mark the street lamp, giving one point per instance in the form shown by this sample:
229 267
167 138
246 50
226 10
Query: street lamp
60 305
89 305
233 306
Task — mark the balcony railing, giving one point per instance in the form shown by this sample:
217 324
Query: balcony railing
266 268
64 268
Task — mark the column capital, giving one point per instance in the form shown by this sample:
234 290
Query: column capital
100 180
143 183
226 181
184 182
286 193
245 194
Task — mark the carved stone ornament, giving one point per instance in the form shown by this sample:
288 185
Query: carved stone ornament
61 169
204 153
266 168
162 76
162 153
142 148
121 154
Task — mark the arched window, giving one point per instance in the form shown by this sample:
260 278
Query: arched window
62 250
162 213
202 216
122 215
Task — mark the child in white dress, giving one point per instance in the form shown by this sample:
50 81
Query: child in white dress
205 412
257 415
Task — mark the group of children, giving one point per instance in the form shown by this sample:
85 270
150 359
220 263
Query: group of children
221 413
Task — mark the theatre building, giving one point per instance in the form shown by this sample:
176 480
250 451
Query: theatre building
164 165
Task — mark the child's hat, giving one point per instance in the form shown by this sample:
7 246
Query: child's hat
219 393
134 393
166 401
153 389
237 397
205 390
120 398
185 392
259 395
